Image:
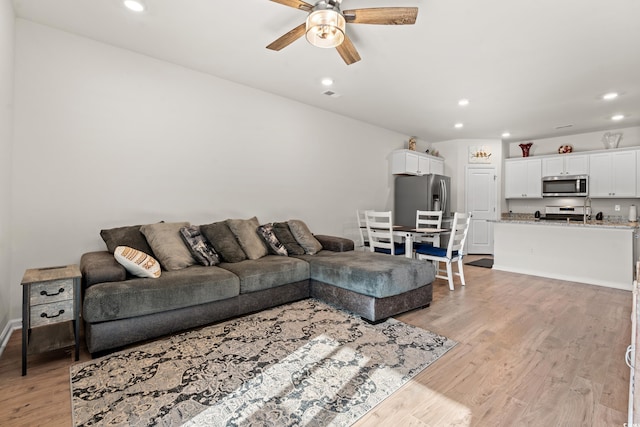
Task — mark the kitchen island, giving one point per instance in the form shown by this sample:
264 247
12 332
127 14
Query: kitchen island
595 252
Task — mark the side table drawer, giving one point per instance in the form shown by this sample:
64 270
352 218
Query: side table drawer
45 314
47 292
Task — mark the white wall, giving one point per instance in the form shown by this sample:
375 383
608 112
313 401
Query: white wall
589 141
105 137
7 21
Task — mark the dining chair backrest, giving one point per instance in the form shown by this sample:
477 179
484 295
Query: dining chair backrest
428 219
362 227
458 237
380 231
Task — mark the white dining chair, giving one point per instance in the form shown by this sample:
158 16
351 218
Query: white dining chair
428 219
453 252
362 228
380 232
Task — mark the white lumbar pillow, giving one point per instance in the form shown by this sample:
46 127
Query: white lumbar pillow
136 262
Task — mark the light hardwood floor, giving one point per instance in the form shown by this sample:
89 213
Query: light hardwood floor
531 352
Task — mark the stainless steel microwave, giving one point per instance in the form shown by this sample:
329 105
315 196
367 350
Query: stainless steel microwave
565 185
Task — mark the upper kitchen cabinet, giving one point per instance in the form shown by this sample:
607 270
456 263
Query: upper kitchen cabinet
613 174
523 179
409 162
565 164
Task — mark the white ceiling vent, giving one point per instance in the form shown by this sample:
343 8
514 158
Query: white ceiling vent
331 94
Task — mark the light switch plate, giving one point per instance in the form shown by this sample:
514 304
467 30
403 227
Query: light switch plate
617 208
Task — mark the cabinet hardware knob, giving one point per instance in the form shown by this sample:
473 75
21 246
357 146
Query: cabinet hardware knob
45 293
53 315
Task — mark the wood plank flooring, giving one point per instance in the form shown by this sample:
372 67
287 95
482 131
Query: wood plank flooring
531 352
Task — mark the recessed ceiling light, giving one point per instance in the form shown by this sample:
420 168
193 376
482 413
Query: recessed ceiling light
135 5
617 117
609 96
327 81
463 102
458 125
506 134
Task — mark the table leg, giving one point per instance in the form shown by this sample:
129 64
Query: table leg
408 245
25 327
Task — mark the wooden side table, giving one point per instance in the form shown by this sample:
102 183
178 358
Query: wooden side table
50 306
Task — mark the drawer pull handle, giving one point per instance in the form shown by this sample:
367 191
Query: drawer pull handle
52 316
45 293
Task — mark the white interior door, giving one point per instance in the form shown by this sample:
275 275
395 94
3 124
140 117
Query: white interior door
481 200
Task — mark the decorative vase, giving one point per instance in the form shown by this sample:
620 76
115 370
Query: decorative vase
412 144
525 148
611 140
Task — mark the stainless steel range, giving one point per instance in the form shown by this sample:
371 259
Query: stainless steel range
566 213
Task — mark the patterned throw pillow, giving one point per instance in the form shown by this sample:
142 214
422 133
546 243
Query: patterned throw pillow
137 263
266 232
200 247
304 237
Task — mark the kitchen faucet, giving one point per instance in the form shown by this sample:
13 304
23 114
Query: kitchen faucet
584 209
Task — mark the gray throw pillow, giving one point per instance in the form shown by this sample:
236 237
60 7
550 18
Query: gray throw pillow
200 248
283 233
304 237
125 236
266 232
246 233
223 241
167 245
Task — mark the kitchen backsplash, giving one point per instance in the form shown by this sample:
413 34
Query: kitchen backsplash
606 206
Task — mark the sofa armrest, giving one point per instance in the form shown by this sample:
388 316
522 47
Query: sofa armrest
100 267
335 244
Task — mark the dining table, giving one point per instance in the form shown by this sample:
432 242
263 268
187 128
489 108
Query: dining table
409 233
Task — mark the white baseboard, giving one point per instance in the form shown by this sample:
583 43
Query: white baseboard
13 325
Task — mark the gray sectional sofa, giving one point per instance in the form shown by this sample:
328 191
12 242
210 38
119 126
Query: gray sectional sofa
119 309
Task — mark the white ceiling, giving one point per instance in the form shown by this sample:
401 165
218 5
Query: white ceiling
527 66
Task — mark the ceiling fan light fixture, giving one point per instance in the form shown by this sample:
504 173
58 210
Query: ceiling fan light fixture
325 28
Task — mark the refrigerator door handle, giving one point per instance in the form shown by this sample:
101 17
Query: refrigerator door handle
443 191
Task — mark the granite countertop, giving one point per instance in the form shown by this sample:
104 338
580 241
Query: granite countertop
530 219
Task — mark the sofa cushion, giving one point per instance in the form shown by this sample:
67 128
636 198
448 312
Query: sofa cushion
283 233
370 273
137 263
167 245
126 236
223 241
268 272
245 231
174 289
275 247
201 249
304 237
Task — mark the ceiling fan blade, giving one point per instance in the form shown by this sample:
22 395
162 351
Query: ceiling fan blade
382 15
348 51
296 4
288 38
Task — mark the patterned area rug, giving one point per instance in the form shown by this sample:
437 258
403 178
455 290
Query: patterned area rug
304 363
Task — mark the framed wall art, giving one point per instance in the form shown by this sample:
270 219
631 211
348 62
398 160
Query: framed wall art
479 154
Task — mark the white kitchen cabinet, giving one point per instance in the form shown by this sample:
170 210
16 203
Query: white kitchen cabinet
409 162
565 164
523 179
613 174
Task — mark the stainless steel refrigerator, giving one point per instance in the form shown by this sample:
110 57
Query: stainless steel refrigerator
424 193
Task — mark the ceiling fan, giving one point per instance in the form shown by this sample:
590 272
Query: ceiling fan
326 23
